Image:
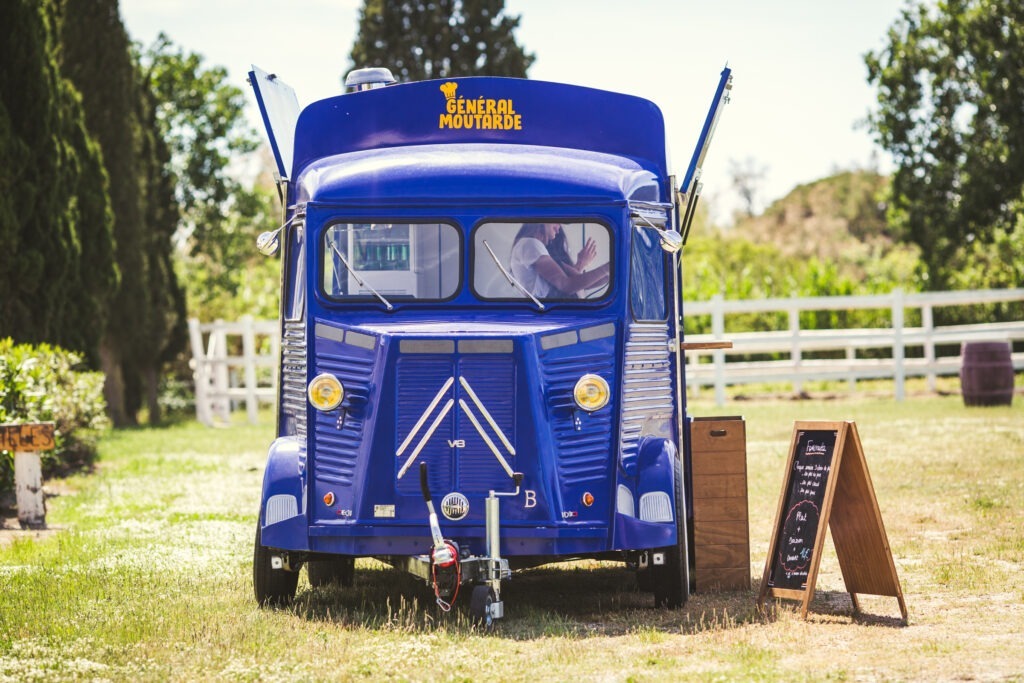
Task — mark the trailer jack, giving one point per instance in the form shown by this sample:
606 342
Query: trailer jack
485 572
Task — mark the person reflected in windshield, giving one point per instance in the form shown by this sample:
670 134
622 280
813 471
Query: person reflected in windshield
541 262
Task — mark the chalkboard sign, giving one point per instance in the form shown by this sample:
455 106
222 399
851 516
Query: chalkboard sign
827 487
805 499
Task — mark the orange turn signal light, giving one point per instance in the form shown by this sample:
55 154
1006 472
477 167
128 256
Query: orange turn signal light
588 499
329 498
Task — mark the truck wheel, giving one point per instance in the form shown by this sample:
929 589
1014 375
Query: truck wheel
480 605
338 570
671 581
272 586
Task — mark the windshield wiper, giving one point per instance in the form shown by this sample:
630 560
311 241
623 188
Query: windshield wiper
511 280
362 283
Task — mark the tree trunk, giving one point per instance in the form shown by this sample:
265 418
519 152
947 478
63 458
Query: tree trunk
151 378
113 386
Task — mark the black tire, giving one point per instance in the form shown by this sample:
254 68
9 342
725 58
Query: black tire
340 570
671 581
480 605
274 587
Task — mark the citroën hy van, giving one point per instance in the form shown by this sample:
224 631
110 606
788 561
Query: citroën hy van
481 308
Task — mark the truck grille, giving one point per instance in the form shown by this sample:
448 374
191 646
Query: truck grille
293 375
339 432
458 457
582 455
646 383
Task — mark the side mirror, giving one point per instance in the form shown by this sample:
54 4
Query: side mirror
268 242
671 241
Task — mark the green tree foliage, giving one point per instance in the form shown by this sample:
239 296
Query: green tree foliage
146 322
201 118
422 39
164 335
737 268
57 271
43 383
231 278
826 238
949 85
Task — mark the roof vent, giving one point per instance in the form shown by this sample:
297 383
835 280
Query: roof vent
368 79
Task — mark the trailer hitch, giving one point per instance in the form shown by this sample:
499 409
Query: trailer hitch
447 570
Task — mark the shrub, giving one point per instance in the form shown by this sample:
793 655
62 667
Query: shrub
42 384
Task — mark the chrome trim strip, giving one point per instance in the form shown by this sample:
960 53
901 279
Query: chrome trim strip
645 409
597 332
424 416
554 341
487 415
426 346
650 388
483 435
363 341
328 332
485 346
426 437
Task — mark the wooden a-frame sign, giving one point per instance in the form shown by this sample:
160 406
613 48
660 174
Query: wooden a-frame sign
827 486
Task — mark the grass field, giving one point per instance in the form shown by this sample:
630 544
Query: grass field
150 576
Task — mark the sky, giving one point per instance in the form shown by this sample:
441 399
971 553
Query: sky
799 100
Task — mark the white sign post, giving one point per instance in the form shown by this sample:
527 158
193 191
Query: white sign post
26 441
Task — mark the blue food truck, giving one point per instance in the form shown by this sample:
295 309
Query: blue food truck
480 365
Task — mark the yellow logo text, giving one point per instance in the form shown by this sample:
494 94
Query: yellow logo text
481 113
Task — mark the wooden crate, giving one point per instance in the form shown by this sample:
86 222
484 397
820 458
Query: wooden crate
721 530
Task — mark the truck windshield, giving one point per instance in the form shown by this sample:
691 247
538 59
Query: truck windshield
393 260
553 261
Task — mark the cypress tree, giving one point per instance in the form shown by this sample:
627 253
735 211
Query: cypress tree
165 333
147 316
420 39
56 276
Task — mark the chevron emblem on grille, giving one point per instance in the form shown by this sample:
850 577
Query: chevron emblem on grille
439 417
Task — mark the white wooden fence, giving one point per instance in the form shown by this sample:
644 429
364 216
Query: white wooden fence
237 362
233 363
719 368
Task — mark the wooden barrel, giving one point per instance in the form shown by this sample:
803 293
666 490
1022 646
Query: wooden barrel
986 374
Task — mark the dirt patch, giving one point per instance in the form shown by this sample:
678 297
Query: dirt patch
10 527
11 531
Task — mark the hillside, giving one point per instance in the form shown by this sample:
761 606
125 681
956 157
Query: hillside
824 238
841 217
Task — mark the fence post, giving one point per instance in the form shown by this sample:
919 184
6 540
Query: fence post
200 373
898 352
928 322
794 352
718 331
249 360
218 355
851 359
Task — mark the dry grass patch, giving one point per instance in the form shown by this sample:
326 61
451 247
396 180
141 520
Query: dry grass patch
151 578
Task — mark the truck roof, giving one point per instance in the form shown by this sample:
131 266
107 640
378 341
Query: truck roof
496 114
496 173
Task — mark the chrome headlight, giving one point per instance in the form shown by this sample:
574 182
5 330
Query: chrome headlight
325 392
591 393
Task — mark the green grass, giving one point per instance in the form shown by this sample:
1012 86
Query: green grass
150 576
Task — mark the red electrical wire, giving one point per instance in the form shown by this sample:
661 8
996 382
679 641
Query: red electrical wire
446 606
